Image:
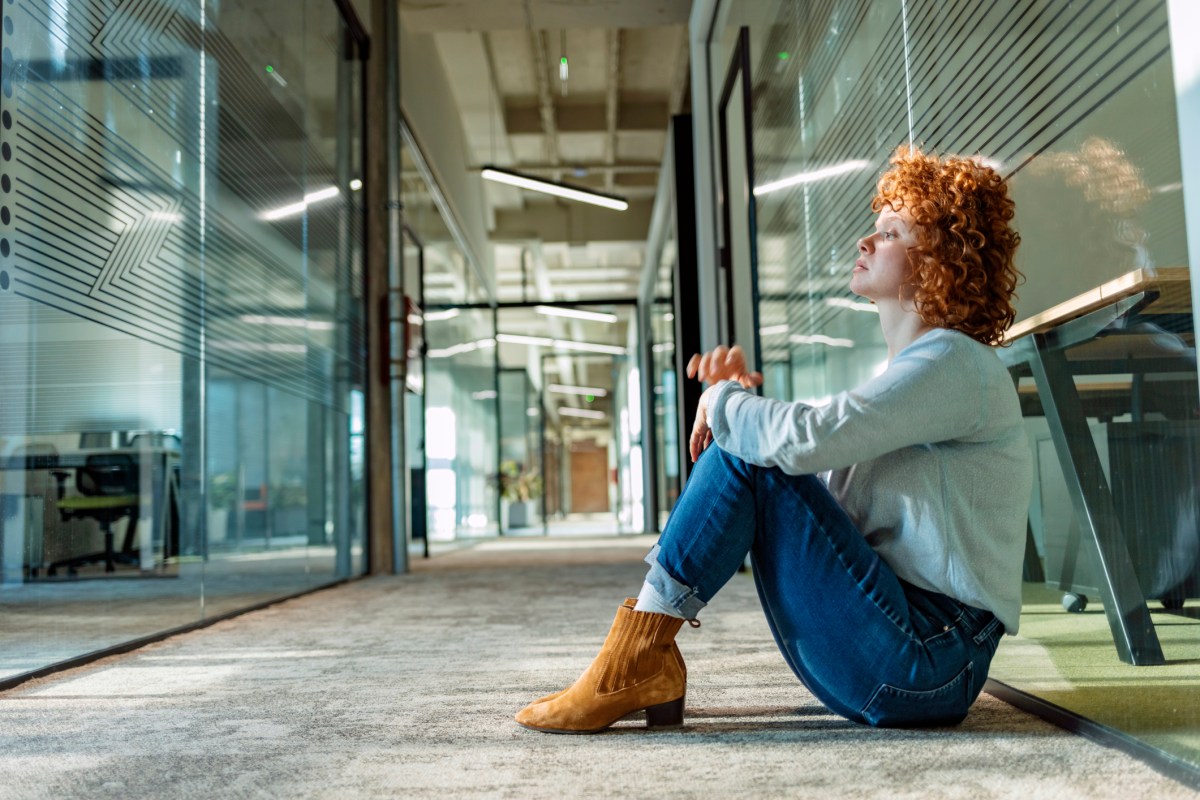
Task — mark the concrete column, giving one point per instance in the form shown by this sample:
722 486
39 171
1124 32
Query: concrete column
377 164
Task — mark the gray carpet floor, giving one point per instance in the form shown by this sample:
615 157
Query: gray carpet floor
406 686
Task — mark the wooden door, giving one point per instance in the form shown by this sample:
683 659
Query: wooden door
589 481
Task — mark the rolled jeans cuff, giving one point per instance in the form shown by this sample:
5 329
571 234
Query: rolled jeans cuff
678 596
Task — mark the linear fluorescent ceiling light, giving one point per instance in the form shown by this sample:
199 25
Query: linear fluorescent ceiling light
298 208
588 347
574 313
583 391
287 322
460 348
586 413
820 338
561 344
811 176
515 338
563 190
853 305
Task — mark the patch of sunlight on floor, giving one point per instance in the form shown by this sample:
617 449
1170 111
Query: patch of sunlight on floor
643 541
1070 660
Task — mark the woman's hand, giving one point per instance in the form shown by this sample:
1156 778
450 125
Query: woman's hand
723 364
701 434
720 364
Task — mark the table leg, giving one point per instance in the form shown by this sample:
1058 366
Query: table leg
160 510
1032 571
1124 603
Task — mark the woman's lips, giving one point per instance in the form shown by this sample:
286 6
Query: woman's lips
860 266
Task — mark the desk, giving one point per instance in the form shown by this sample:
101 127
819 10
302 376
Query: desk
164 482
1097 328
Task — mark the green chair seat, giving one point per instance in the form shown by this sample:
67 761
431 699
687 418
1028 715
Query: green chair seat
92 503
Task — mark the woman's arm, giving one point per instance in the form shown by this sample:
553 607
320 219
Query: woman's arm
931 395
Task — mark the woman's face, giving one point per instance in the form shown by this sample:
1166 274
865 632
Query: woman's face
882 268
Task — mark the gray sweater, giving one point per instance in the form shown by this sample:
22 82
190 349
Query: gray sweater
930 460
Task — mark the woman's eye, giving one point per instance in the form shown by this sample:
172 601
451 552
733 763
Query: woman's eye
889 235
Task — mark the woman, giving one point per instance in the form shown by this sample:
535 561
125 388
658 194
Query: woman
889 581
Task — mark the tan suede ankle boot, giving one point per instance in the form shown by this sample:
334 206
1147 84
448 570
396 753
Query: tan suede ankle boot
638 668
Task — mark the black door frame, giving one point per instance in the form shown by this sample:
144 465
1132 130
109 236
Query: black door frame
739 67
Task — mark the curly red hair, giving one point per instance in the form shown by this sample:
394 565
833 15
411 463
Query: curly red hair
962 266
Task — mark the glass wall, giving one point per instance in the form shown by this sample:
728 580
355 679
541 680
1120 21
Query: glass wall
520 476
459 381
664 423
571 438
181 320
1074 103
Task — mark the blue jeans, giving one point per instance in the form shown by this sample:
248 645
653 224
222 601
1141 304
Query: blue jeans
870 646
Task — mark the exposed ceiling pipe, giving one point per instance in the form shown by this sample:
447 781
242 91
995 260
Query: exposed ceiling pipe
613 85
541 67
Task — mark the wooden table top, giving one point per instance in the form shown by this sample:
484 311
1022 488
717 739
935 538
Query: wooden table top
1172 284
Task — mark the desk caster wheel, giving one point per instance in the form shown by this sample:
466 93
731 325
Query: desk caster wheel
1172 603
1074 603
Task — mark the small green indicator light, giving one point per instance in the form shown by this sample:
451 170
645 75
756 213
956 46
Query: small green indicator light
270 68
591 398
783 56
562 60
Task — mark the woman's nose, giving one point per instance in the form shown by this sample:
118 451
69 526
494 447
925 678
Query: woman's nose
862 244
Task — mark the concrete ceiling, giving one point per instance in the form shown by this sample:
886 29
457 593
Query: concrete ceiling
604 127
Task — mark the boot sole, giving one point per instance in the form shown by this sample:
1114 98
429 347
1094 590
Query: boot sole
658 717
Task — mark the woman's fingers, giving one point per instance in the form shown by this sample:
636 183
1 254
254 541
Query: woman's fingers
700 430
712 364
736 364
723 363
694 442
699 441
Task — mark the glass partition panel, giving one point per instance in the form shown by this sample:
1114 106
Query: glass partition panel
1074 104
665 411
460 422
180 273
566 379
520 479
460 395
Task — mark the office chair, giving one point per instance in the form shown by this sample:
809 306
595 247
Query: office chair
109 490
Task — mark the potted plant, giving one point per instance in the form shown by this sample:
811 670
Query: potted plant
519 488
222 490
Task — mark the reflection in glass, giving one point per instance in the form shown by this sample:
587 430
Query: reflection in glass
180 318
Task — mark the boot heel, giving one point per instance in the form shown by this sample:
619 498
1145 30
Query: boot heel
665 715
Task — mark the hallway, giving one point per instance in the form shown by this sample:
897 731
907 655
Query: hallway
405 687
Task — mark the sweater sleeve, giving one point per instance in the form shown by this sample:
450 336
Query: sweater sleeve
928 394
